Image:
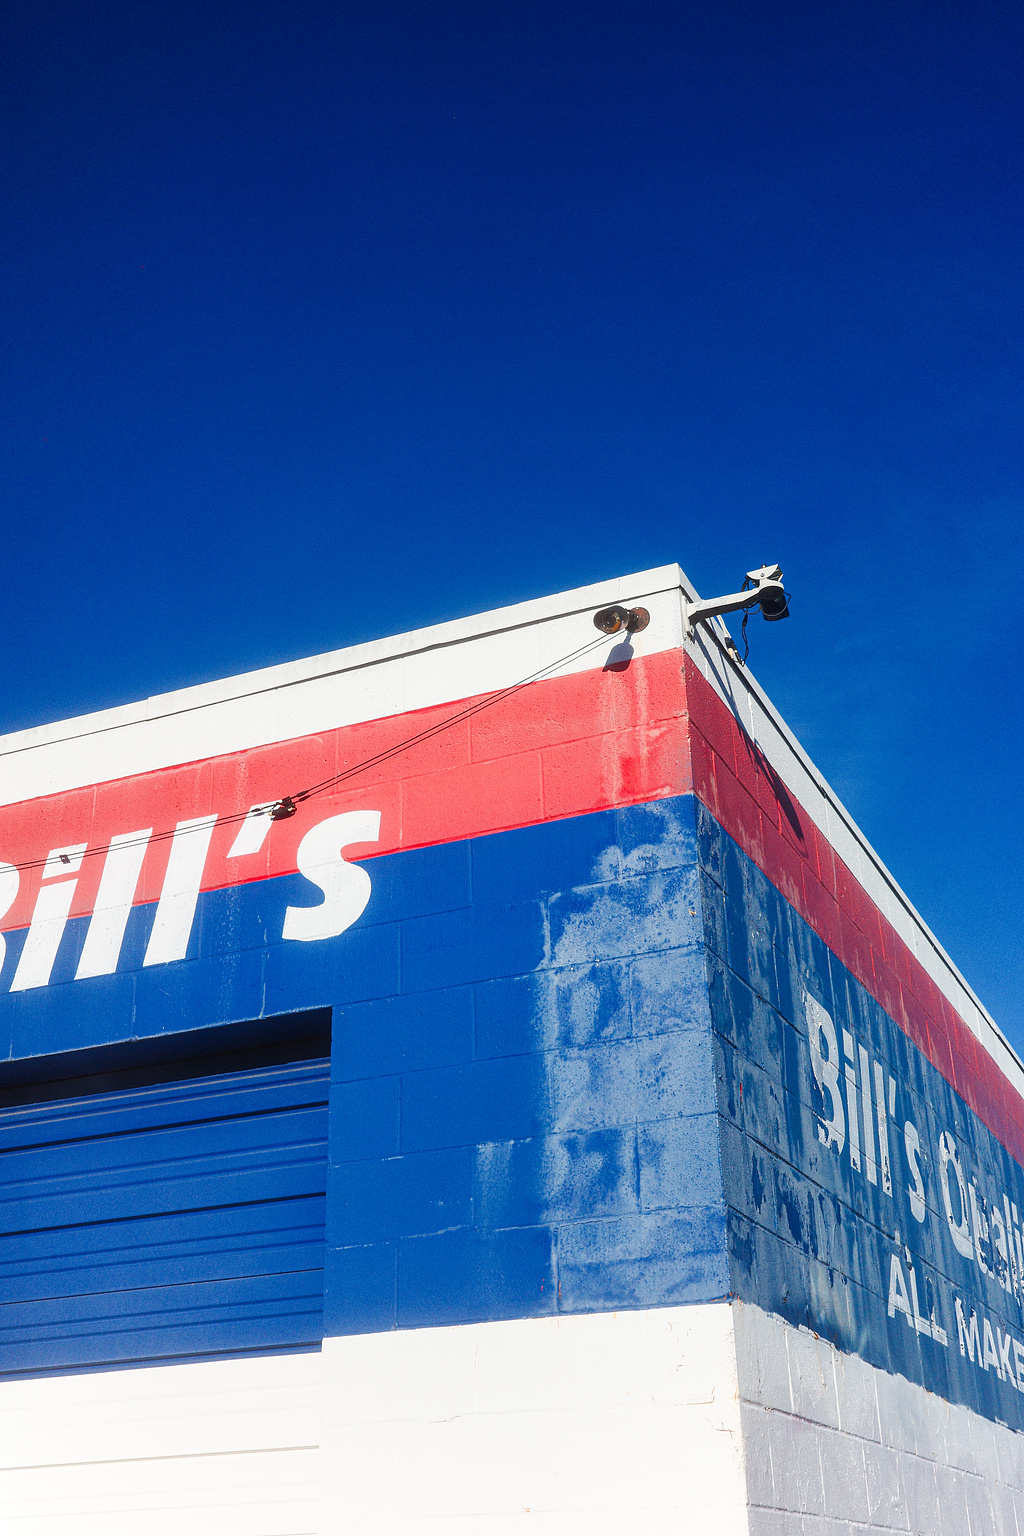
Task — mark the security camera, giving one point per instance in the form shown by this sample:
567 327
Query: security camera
764 588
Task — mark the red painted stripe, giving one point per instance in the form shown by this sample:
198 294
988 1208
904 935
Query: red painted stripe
557 748
746 796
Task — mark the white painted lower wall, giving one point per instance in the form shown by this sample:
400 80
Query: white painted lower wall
712 1419
622 1422
225 1448
834 1446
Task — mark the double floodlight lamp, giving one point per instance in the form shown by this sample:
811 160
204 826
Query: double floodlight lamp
762 589
612 621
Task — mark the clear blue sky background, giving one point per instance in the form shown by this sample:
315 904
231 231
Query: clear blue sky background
319 321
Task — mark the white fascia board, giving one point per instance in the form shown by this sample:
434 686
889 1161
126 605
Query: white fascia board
745 697
425 667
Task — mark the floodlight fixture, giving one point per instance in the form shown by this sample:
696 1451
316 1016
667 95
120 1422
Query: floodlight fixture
615 619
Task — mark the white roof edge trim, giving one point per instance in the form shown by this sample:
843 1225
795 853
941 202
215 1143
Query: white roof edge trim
479 626
714 635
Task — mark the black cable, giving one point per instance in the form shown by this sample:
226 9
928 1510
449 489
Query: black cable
441 725
370 762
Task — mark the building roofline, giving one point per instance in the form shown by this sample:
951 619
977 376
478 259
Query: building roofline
736 685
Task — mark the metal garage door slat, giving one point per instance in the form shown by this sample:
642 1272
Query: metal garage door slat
243 1331
162 1236
302 1249
165 1305
166 1222
129 1111
187 1154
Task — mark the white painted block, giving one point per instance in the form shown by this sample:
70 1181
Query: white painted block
856 1399
563 1367
980 1513
188 735
772 1522
952 1502
497 661
480 1464
1010 1460
919 1493
812 1378
625 1421
762 1366
692 1356
907 1425
757 1450
920 1465
435 1368
535 1522
344 698
885 1502
796 1464
843 1476
1003 1514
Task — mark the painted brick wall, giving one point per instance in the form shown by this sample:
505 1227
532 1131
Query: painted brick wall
835 1447
567 1426
734 779
816 1236
527 1123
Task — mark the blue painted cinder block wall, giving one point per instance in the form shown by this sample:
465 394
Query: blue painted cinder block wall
573 1070
810 1236
528 1122
522 1101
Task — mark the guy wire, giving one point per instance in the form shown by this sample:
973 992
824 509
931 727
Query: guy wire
361 767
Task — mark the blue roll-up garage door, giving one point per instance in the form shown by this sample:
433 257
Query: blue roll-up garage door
168 1219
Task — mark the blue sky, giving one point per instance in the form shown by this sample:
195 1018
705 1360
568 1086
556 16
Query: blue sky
319 321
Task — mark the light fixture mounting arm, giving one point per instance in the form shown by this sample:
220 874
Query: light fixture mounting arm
766 591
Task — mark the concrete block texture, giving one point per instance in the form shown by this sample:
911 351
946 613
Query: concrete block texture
829 1234
616 1421
834 1446
716 1417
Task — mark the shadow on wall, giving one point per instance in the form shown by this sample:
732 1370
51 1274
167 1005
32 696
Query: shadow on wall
783 798
619 657
760 762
